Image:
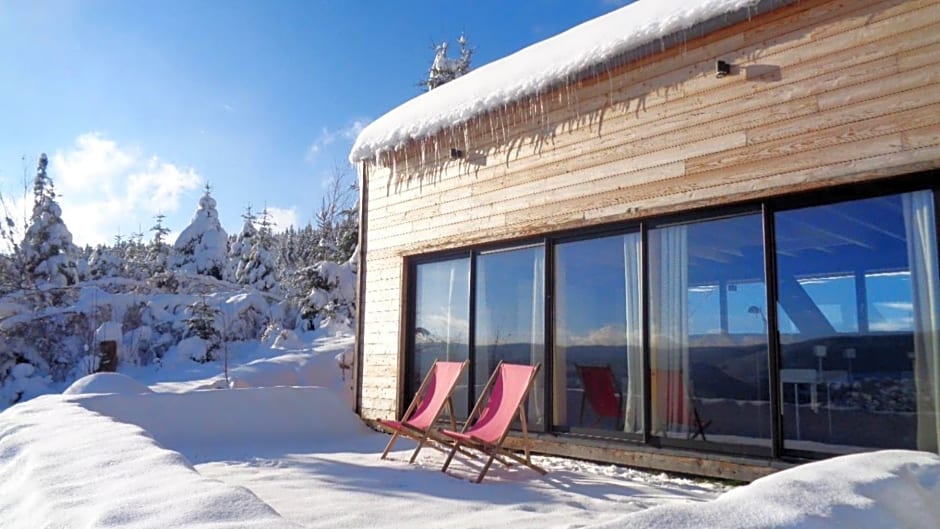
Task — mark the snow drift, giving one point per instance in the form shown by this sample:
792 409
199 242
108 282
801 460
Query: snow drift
96 482
877 490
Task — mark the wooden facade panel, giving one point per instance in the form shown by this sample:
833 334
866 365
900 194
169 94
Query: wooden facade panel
849 171
885 105
815 140
923 136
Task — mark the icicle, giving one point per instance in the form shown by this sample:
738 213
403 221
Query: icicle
466 137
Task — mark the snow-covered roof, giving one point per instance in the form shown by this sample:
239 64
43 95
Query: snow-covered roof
544 65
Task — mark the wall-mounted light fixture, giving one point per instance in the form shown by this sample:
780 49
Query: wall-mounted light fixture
722 69
456 153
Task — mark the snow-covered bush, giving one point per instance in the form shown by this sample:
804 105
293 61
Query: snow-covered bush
331 298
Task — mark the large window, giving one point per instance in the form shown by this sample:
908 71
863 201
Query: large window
598 339
858 284
708 334
662 330
508 321
441 329
510 317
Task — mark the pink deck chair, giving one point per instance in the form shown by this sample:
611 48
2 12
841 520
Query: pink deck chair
489 423
434 394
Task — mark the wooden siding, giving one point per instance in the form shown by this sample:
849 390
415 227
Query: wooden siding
821 93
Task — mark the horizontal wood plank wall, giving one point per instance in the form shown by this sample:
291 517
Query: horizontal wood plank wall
821 93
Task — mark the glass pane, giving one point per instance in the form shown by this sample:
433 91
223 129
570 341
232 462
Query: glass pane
858 281
598 354
510 317
708 332
442 322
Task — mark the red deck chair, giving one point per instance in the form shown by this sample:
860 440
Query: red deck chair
418 420
669 387
601 393
503 398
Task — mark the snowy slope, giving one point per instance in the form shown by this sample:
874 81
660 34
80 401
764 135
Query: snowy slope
537 68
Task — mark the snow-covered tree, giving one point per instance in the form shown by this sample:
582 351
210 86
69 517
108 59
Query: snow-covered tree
48 254
158 251
444 69
241 244
203 322
338 219
331 298
257 266
201 247
106 262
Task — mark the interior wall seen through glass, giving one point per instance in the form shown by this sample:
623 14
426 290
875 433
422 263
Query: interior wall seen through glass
858 288
442 322
510 317
708 332
598 334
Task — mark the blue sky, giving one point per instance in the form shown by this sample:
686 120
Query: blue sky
140 103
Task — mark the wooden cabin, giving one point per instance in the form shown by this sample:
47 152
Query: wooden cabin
715 228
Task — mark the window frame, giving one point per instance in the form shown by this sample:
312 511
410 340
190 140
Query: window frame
765 207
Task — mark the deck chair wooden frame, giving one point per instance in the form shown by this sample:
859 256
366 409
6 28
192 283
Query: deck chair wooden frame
420 419
466 438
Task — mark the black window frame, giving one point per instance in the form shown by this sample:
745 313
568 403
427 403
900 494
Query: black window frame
765 207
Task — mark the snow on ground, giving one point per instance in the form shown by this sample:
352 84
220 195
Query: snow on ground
114 453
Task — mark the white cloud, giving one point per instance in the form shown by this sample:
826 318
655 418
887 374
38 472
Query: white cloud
282 218
108 189
328 137
607 335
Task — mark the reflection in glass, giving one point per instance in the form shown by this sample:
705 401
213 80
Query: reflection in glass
598 354
859 283
510 317
442 322
708 332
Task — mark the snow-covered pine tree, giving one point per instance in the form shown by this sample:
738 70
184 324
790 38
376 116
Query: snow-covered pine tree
202 321
137 257
158 252
444 69
338 218
201 247
106 261
239 247
258 268
48 254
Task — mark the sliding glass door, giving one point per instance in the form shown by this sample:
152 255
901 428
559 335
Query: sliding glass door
441 328
510 317
859 312
598 334
708 332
